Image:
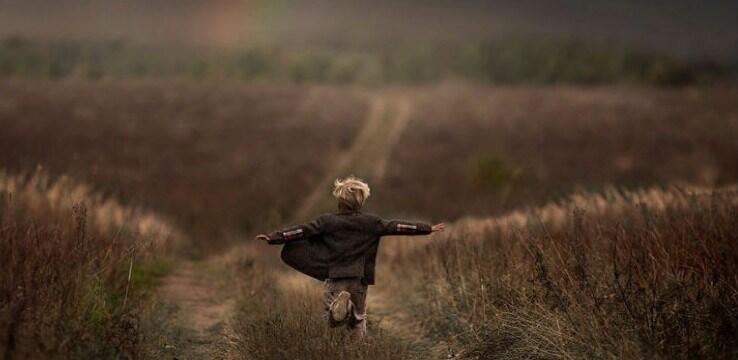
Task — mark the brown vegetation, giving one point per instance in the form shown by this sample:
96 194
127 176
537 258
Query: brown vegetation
280 317
616 276
217 157
498 149
574 262
69 257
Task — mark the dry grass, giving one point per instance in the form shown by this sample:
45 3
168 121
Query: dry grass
220 158
620 276
76 266
494 150
280 316
603 273
42 196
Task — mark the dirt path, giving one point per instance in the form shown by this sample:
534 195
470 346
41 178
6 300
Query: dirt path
368 156
202 307
394 320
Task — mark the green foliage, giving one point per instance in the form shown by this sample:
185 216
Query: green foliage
514 60
96 301
146 275
310 68
251 64
493 173
101 299
413 65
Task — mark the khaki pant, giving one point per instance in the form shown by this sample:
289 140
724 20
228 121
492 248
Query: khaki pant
356 321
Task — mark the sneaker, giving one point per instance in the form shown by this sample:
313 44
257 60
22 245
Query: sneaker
340 306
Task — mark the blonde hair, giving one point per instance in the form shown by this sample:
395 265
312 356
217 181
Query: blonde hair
351 192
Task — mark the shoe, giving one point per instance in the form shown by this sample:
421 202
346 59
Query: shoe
340 306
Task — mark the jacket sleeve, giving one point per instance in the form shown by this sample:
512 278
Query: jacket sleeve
401 227
297 232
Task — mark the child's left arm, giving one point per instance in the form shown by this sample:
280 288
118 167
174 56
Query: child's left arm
400 227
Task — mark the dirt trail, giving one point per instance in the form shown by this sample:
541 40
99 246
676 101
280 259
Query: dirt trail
199 324
396 321
368 156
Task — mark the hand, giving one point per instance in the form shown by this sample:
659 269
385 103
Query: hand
438 227
262 237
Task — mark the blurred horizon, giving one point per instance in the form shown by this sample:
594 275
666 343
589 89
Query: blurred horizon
704 30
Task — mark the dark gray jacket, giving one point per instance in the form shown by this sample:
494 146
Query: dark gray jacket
341 244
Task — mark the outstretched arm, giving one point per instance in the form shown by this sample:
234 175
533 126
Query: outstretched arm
293 233
401 227
438 227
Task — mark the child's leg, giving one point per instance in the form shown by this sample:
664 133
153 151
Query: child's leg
355 306
357 318
331 294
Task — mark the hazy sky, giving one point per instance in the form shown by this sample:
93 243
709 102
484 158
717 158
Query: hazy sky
697 28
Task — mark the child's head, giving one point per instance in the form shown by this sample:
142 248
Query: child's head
350 192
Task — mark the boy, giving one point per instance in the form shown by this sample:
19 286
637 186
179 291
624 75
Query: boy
341 249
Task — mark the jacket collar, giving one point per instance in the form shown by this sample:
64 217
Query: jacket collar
344 211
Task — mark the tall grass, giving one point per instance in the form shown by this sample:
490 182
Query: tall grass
76 267
280 316
621 275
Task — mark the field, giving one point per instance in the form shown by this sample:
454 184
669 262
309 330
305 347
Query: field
132 140
502 148
585 222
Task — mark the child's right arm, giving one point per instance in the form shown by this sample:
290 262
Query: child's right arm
293 233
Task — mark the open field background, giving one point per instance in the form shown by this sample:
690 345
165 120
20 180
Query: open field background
585 158
496 149
189 150
224 162
232 157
